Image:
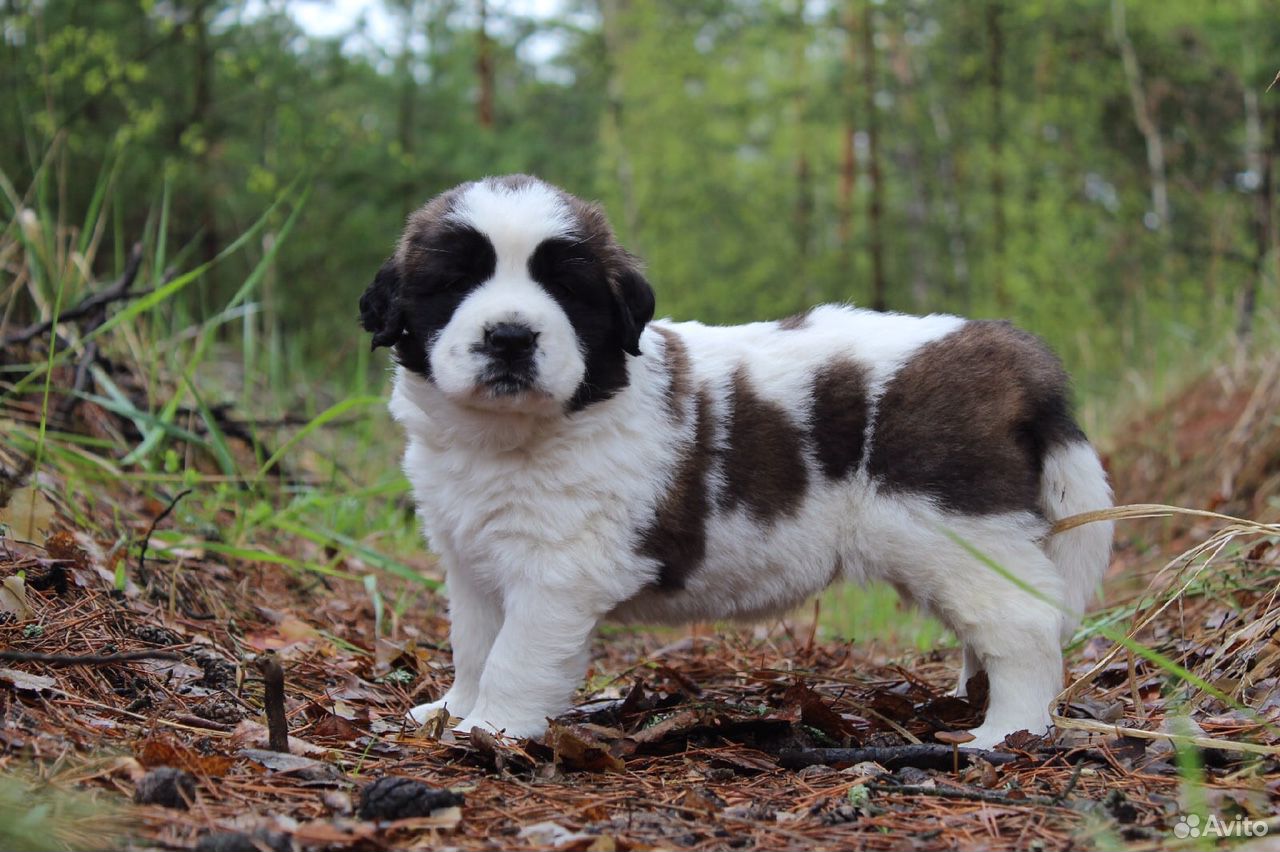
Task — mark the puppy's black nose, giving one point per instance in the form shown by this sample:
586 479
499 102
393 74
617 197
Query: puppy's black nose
510 340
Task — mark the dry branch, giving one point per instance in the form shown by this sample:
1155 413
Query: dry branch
86 659
120 290
923 756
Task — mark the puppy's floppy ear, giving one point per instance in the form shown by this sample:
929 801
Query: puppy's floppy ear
633 303
380 310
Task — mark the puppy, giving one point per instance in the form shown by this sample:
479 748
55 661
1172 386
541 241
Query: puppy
573 461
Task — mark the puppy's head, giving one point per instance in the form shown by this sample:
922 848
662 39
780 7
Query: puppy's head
510 294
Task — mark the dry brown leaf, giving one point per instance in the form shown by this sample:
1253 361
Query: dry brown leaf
163 751
27 681
251 734
13 598
577 748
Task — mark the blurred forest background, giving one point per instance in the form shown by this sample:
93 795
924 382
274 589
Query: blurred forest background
1101 171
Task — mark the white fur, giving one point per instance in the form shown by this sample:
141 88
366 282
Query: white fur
1074 482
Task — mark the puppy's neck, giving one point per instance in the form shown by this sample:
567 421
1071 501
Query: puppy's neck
440 422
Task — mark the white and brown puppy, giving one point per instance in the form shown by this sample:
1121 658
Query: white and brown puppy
573 461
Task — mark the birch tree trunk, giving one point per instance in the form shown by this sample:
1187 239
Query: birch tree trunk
1142 116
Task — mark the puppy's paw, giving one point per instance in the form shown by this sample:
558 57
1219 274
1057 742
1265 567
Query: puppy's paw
448 701
987 736
496 723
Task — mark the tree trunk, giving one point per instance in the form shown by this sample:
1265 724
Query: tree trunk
995 79
408 98
848 150
802 215
201 110
952 210
875 217
1260 155
614 140
1142 117
484 69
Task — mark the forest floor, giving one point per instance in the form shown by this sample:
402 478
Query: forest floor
682 739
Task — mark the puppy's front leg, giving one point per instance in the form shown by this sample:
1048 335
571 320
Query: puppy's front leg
535 665
475 617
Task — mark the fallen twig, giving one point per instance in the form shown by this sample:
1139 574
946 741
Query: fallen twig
86 659
968 795
923 756
146 539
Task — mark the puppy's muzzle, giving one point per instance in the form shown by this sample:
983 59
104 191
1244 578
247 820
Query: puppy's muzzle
510 347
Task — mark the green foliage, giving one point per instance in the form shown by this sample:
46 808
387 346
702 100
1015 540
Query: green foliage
38 817
1014 169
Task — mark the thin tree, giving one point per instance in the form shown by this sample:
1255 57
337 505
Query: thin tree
484 69
848 149
875 217
612 13
995 80
1142 115
802 217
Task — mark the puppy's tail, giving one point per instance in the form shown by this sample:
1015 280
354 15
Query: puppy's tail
1072 482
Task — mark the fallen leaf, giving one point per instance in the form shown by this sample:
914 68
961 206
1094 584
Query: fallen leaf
251 734
64 546
163 751
27 681
816 713
28 514
577 748
281 763
13 598
333 727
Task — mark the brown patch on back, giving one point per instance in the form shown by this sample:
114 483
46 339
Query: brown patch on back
764 460
676 359
795 322
839 417
677 539
969 418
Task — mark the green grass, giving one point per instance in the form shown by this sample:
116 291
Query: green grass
327 483
874 613
36 816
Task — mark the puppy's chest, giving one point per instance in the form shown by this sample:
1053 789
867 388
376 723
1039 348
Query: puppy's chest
589 492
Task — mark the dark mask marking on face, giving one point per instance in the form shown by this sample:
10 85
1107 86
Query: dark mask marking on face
968 420
599 286
764 459
441 265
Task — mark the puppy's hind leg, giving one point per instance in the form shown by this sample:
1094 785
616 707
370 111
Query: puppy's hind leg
1011 632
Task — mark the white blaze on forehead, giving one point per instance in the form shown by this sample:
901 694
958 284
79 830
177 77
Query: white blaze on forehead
515 219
